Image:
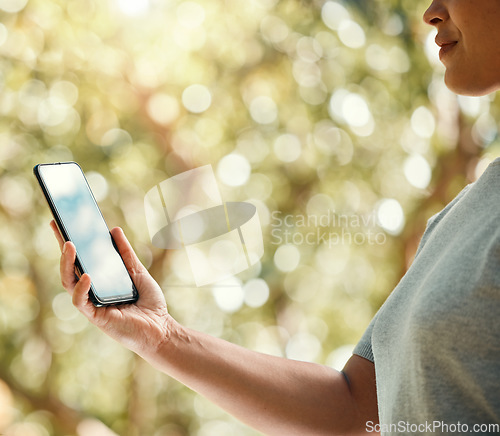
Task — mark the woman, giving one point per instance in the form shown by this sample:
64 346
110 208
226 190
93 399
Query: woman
430 359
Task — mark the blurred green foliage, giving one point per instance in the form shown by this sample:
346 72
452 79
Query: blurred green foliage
338 109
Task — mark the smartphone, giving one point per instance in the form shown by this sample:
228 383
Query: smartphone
80 221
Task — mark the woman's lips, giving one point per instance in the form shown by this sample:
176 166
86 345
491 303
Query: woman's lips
446 46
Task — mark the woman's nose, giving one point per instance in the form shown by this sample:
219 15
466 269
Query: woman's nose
436 13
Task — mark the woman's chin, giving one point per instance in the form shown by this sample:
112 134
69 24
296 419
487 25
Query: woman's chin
470 86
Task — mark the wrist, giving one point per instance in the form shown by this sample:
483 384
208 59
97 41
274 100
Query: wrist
159 350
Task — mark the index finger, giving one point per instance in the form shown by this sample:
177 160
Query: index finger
69 278
57 234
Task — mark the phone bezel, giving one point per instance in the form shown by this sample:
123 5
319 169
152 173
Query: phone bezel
97 301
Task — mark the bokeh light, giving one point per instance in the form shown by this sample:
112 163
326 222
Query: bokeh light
12 6
196 98
333 14
418 171
263 110
256 292
163 108
133 7
390 215
287 148
351 34
422 122
233 170
229 295
287 258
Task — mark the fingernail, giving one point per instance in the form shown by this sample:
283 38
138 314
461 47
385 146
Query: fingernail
64 249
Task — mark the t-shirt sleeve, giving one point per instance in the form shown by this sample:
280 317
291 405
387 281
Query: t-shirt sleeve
364 346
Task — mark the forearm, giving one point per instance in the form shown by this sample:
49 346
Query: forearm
275 395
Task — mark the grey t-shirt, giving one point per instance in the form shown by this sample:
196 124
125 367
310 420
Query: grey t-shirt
435 342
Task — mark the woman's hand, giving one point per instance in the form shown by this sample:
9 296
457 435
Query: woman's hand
142 327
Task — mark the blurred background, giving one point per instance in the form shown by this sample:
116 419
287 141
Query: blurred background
330 117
